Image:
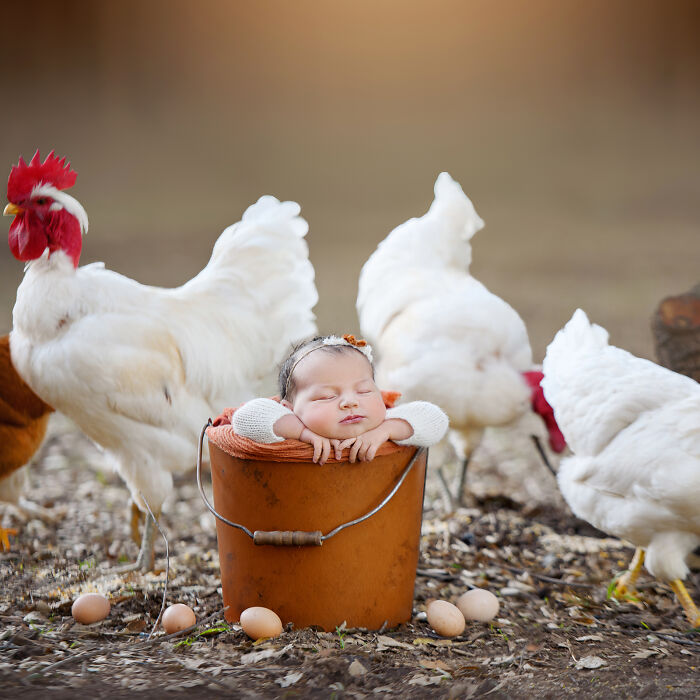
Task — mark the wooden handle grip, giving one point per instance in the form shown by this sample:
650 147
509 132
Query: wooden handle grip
288 537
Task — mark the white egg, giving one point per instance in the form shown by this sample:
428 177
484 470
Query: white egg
178 617
445 618
478 604
258 622
89 608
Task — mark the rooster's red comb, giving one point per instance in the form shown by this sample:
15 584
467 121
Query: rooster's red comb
24 178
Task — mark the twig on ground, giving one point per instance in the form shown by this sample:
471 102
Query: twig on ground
677 640
436 574
547 579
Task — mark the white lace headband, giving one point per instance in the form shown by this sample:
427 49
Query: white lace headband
347 340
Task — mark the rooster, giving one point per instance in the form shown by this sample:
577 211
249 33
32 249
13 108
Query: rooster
139 368
23 421
439 333
676 329
634 431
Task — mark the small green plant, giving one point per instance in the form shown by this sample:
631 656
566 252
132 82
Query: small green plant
611 586
612 595
86 564
223 627
188 641
499 632
341 637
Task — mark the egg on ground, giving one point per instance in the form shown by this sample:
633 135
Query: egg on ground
89 608
178 617
478 604
445 618
258 622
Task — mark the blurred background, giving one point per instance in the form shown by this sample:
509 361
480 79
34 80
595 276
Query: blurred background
574 127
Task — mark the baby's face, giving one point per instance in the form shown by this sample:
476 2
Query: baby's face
336 396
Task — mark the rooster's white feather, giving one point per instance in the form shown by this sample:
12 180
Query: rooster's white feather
139 368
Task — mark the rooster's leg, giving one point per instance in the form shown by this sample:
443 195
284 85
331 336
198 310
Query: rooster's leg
691 610
451 501
145 559
626 583
462 481
4 539
543 454
135 523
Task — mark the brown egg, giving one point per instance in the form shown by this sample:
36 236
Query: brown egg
260 622
178 617
445 618
478 604
89 608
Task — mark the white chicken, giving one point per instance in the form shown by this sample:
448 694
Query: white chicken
138 368
440 335
634 430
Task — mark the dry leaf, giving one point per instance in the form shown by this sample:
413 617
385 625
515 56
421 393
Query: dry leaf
590 662
356 669
434 665
255 656
290 679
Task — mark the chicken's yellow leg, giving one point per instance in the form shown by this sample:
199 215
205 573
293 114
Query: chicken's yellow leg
691 610
4 539
626 583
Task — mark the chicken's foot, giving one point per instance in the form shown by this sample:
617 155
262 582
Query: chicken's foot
625 585
691 610
4 538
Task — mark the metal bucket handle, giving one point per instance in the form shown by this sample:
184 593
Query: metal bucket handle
295 537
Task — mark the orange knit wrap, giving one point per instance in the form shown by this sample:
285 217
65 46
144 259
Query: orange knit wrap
221 434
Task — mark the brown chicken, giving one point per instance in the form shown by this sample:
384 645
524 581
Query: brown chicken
676 329
23 420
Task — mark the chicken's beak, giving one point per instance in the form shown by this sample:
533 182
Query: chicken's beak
12 210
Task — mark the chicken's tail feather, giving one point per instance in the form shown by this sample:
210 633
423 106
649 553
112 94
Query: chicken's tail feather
260 269
580 332
578 336
453 206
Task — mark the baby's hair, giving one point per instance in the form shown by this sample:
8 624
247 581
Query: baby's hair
327 343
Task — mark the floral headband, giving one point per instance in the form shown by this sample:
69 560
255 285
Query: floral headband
347 340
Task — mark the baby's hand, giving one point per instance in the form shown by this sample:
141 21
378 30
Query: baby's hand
364 447
339 445
321 445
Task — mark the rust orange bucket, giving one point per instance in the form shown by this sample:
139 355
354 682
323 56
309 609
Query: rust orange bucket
350 568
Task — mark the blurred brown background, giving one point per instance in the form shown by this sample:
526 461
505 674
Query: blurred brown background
574 127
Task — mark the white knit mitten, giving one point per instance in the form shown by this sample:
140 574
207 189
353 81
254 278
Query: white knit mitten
428 421
255 420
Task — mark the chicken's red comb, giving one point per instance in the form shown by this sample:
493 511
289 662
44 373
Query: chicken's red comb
24 178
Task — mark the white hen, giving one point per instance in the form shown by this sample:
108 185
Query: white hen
634 429
140 369
440 335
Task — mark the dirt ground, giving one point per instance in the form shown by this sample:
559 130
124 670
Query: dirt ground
556 634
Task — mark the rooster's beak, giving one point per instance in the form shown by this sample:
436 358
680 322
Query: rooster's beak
12 210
